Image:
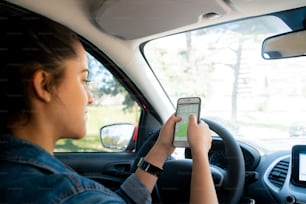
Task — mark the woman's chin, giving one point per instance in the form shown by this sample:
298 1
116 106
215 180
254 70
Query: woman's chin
77 136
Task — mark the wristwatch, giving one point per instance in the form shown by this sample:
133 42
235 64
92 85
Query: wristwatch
150 168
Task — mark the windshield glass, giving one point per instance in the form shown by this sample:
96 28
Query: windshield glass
257 99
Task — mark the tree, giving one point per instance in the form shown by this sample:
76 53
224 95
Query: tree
234 37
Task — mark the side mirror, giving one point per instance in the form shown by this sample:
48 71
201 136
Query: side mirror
118 137
292 44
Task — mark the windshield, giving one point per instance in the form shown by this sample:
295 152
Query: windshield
257 99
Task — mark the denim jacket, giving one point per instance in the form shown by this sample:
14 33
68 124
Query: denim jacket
29 174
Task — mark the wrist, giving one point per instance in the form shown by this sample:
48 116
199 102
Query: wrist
157 156
149 168
199 153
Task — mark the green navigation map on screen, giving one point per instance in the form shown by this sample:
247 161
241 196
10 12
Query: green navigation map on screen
184 111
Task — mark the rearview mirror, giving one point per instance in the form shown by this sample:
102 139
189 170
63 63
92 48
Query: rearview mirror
117 137
292 44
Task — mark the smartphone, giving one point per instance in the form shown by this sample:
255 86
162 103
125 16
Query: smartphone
185 107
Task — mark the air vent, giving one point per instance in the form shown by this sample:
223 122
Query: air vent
279 173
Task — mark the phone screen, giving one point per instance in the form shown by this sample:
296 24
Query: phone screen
185 108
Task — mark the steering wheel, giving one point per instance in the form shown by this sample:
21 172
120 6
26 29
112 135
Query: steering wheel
173 186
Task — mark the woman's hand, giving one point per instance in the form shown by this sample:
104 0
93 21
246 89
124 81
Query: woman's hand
202 185
159 152
163 146
199 135
165 139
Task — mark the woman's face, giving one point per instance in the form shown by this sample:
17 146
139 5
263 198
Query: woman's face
72 97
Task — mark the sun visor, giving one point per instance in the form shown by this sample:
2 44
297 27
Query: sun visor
131 19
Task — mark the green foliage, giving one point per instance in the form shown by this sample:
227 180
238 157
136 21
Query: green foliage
98 116
90 143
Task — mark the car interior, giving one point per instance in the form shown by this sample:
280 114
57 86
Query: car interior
245 59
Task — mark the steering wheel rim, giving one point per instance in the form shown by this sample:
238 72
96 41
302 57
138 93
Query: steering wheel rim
174 183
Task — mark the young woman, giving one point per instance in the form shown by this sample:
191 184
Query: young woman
43 75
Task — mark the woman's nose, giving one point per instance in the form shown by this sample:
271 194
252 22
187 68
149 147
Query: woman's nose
90 98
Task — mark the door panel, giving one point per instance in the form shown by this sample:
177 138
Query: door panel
109 169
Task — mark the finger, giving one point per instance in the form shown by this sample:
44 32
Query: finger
192 120
170 123
174 119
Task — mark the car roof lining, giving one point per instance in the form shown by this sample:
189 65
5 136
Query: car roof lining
132 19
135 19
138 19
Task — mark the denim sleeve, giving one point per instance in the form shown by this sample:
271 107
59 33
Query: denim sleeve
133 191
94 197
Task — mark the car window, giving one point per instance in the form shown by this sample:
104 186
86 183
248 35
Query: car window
113 104
262 100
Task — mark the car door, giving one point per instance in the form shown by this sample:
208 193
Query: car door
103 159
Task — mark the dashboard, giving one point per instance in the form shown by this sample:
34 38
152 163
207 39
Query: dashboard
268 175
278 178
217 155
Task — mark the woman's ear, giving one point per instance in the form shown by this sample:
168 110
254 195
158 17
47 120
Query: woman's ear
41 85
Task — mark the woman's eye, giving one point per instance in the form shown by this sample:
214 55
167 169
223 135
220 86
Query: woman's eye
86 81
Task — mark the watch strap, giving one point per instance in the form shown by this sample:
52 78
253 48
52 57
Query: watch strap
148 167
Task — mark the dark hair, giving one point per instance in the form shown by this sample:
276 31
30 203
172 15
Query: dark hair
29 43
